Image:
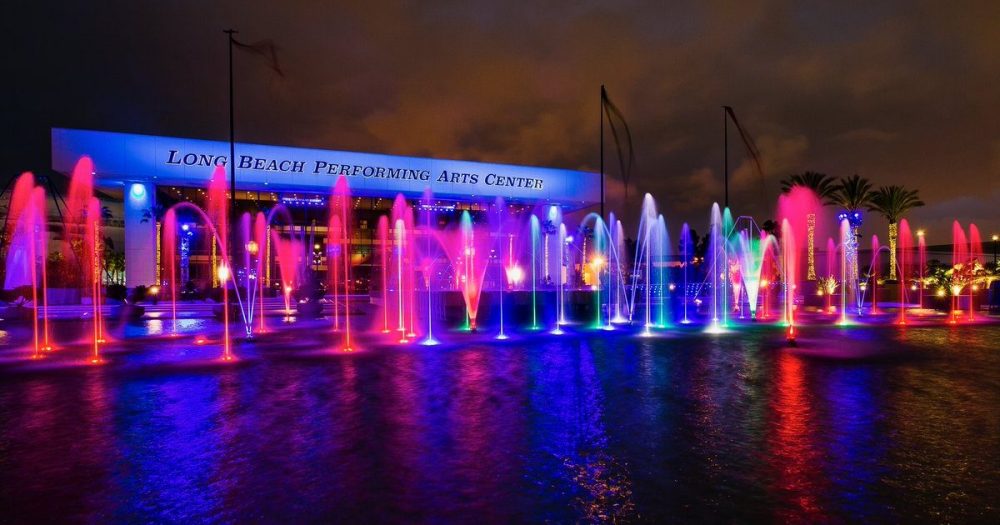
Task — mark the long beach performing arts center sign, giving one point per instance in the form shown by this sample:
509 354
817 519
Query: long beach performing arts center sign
188 162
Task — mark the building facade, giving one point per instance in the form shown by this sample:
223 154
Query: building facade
153 173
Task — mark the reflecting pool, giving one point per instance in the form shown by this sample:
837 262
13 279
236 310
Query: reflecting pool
872 424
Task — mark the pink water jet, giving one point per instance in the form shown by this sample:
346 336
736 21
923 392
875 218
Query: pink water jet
468 248
287 254
975 262
960 262
904 243
94 253
790 260
383 236
25 230
339 228
803 209
169 248
218 214
876 269
260 237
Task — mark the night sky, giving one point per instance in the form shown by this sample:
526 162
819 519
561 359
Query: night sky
902 92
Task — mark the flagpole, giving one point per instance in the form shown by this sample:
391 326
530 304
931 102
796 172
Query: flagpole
725 151
232 155
601 107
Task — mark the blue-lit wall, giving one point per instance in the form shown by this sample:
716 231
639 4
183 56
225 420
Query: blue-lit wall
121 157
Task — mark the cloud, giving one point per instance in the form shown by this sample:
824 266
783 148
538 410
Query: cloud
870 135
901 93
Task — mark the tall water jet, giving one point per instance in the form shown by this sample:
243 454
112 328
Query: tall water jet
383 236
643 260
427 265
82 238
169 247
750 251
287 253
260 227
218 214
687 248
339 228
34 223
400 237
25 230
402 221
959 262
411 271
18 232
726 232
716 266
845 238
500 207
93 250
619 247
475 257
922 261
875 271
535 226
975 263
594 261
560 279
789 257
661 247
250 249
904 244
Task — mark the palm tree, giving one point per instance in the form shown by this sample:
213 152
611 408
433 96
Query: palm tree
893 202
852 195
824 187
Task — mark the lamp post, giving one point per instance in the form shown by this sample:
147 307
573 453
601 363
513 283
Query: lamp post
995 239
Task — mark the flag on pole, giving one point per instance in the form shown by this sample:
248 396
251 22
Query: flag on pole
264 49
622 136
752 150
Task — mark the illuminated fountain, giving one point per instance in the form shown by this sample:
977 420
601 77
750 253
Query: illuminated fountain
846 236
340 262
903 243
687 251
500 206
26 254
427 266
789 271
562 241
422 247
874 272
652 251
717 264
535 239
620 270
751 252
960 268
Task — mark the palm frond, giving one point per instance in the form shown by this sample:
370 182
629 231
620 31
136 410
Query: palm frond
823 185
894 201
853 193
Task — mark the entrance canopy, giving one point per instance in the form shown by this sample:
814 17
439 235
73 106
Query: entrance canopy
123 157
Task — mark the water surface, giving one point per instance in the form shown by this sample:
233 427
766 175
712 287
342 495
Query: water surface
862 424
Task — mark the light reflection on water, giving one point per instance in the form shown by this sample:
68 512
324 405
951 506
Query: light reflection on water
583 428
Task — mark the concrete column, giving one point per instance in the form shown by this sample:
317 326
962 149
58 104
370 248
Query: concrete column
140 234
